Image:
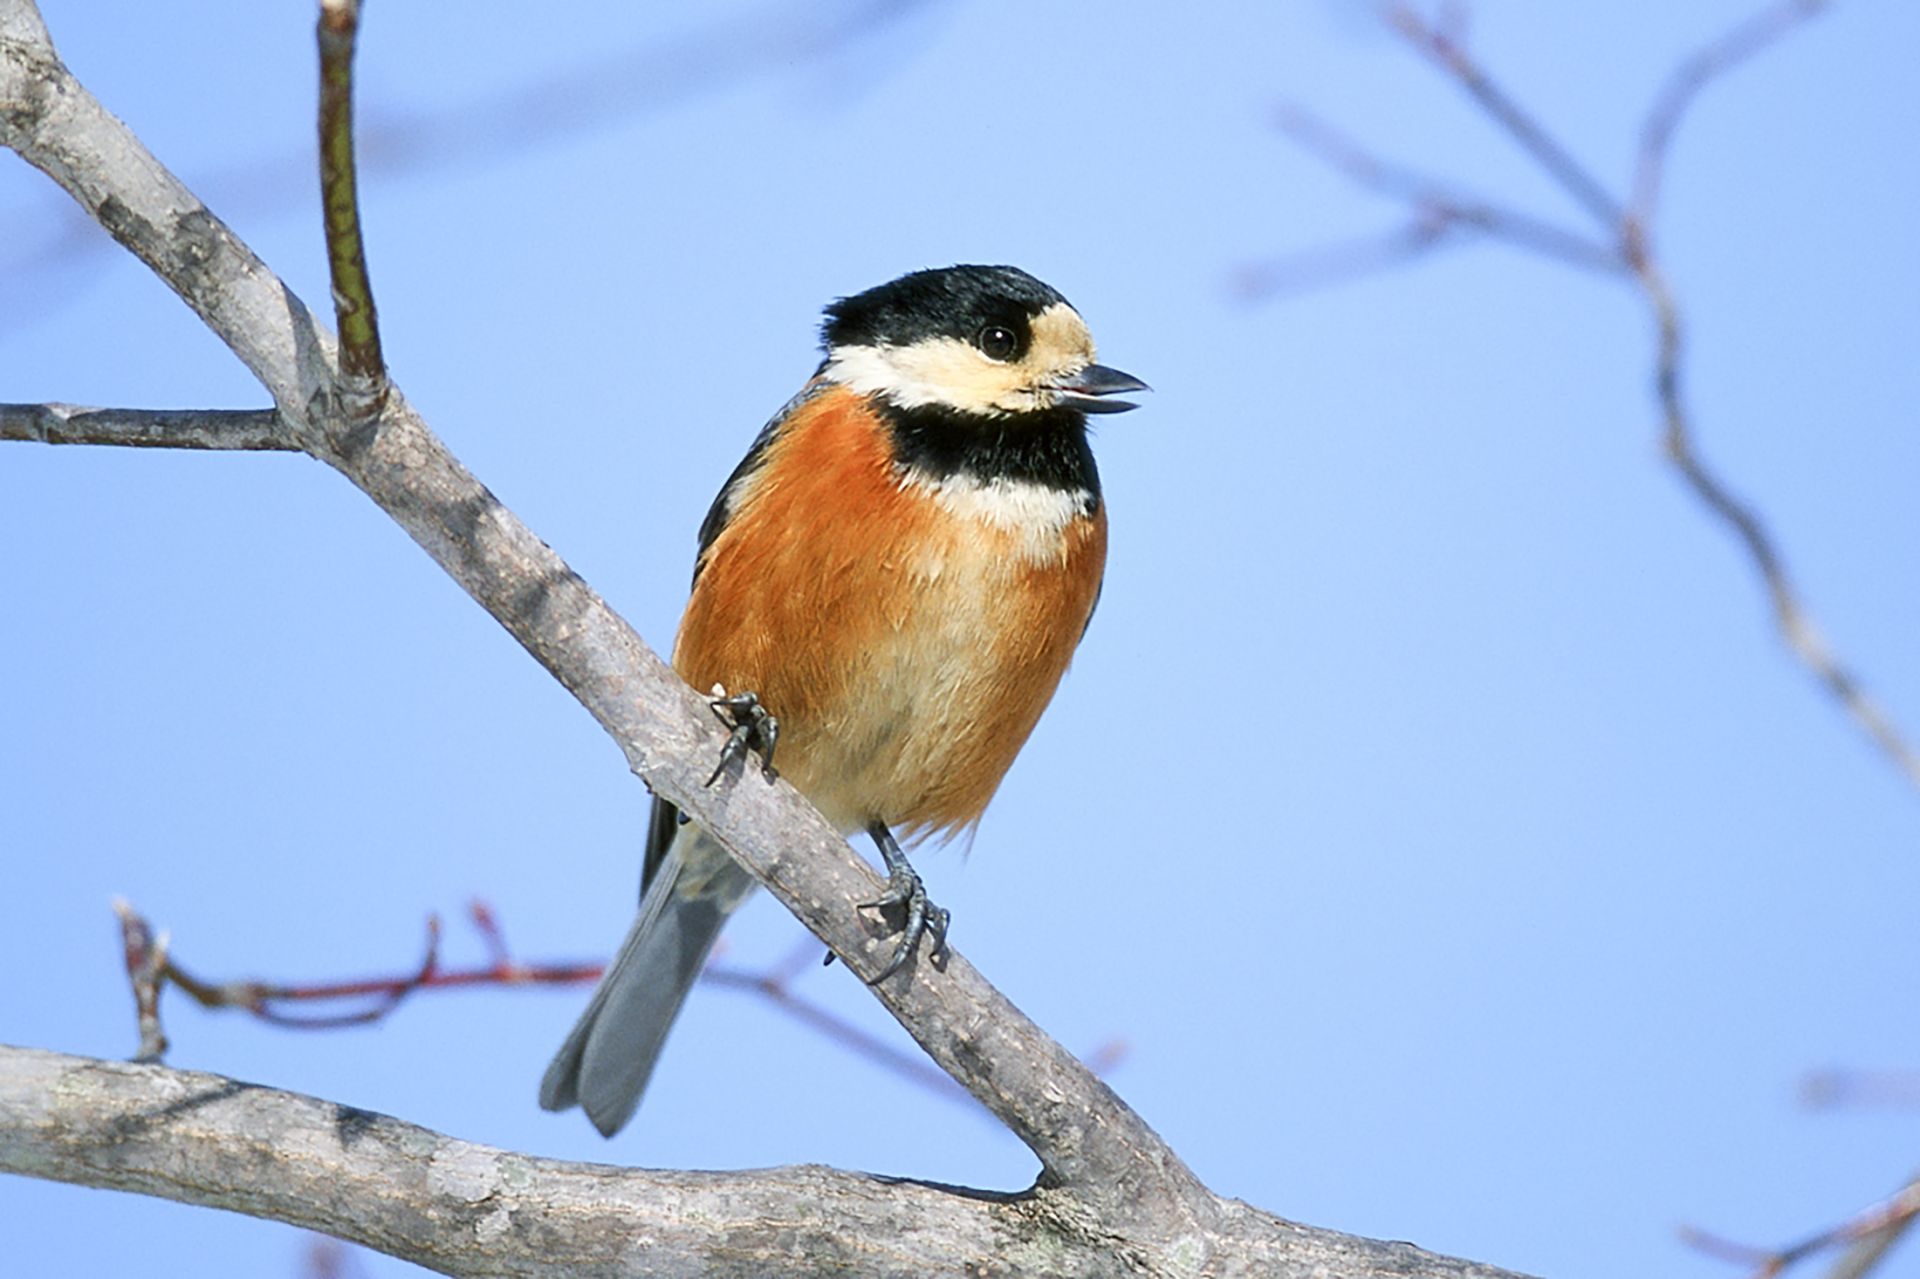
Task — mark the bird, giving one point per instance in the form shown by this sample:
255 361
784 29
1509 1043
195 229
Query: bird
887 591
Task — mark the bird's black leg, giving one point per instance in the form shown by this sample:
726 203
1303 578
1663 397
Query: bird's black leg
905 889
754 728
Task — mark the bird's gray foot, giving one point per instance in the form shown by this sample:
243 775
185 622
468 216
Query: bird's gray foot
754 728
904 889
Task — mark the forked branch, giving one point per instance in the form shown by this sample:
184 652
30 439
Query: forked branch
1113 1198
1442 213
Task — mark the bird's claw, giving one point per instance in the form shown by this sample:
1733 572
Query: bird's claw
923 919
753 728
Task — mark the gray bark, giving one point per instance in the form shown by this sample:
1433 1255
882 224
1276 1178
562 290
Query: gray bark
466 1209
1112 1198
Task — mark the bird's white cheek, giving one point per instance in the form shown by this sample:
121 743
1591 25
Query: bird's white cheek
942 371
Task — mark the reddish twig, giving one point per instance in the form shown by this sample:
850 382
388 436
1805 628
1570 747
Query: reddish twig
1866 1236
487 924
260 998
151 968
264 999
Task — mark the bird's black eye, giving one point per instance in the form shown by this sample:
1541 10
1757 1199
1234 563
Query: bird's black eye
997 342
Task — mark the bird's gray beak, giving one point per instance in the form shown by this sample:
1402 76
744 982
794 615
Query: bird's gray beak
1085 390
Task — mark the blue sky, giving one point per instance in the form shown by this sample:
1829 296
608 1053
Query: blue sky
1430 808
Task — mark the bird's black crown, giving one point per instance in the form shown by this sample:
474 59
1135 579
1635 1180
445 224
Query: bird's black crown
952 301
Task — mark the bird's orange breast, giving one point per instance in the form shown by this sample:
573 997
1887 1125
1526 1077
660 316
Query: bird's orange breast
906 633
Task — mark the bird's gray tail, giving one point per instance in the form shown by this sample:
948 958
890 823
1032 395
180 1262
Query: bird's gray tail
605 1063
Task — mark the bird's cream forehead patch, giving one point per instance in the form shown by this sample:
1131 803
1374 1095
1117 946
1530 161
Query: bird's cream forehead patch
1060 340
954 373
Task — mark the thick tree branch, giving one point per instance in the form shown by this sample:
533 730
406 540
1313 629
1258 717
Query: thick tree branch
465 1209
1109 1184
1081 1132
459 1208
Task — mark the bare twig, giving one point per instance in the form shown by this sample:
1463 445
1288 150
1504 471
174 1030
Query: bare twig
261 998
1762 1262
1795 625
1436 200
1439 209
487 924
1791 619
1874 1233
145 428
1694 73
363 368
154 967
146 961
1867 1236
271 1001
1336 263
1440 46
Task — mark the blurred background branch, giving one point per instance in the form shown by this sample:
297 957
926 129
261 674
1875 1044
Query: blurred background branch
1862 1241
1442 214
494 124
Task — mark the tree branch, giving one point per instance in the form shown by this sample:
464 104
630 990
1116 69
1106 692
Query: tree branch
1112 1198
1443 47
1862 1240
1694 74
1438 198
466 1209
255 429
363 369
1438 209
1083 1134
460 1208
